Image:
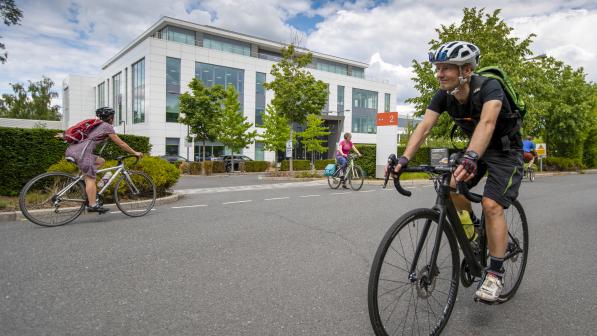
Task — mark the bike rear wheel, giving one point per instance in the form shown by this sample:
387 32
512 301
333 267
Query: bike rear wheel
531 174
357 177
334 180
135 196
41 205
517 250
401 303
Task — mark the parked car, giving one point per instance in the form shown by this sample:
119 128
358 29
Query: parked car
237 159
174 158
199 158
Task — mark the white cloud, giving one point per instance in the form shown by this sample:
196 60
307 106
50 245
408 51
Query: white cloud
54 42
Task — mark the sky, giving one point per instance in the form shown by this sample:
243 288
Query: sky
61 37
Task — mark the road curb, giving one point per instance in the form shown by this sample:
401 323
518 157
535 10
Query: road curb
17 215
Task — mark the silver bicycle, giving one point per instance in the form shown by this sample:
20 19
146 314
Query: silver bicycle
58 198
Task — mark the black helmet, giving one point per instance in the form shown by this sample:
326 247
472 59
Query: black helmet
104 113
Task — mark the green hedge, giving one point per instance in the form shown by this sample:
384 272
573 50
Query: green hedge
29 152
560 164
296 165
256 166
320 164
218 167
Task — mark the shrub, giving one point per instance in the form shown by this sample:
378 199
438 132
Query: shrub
320 164
256 166
64 166
296 165
218 167
560 164
209 166
163 174
307 174
367 161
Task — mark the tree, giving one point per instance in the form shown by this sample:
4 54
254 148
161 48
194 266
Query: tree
296 92
558 98
311 136
233 127
11 15
33 103
200 109
276 131
493 36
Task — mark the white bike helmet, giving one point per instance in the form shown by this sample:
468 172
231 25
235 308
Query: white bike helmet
456 52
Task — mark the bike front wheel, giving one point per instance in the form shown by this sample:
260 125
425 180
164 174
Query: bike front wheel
404 297
334 180
531 174
46 201
517 250
135 194
357 177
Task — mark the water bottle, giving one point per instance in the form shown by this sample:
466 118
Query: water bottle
467 224
104 180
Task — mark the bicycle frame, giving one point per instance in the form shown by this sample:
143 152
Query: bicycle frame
349 168
447 214
118 169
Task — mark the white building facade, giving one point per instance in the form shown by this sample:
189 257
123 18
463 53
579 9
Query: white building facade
144 80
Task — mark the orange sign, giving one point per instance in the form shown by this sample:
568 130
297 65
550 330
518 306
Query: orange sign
387 119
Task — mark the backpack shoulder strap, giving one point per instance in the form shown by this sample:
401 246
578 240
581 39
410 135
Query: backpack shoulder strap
477 82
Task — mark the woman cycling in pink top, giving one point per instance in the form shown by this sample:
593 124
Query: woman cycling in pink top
342 152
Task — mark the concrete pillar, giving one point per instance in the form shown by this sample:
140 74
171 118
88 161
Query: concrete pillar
387 128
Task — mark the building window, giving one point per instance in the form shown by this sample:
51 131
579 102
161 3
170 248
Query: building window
210 152
172 145
259 98
326 107
259 152
125 101
386 102
358 72
364 111
211 75
101 95
117 97
138 91
178 35
340 100
172 89
227 45
330 66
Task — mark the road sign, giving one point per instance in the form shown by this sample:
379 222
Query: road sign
541 150
289 148
387 119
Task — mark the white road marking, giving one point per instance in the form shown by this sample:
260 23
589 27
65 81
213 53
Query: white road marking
366 191
189 206
115 212
246 201
309 196
276 198
341 193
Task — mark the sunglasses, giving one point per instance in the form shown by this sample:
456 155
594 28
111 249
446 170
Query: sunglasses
441 57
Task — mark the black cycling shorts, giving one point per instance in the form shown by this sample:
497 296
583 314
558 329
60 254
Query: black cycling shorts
504 178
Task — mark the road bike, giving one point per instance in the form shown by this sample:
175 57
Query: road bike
416 271
58 198
354 175
528 172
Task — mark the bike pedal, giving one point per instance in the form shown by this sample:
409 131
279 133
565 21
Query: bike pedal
489 303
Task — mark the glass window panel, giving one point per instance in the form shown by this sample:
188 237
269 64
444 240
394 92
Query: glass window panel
364 111
138 91
172 145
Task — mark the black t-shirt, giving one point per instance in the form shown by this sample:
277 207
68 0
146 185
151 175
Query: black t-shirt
490 90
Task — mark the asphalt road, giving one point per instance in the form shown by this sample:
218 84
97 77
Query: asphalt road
277 261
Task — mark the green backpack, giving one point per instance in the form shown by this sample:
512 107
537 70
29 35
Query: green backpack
516 102
517 105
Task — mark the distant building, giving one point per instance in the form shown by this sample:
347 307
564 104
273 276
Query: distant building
143 81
